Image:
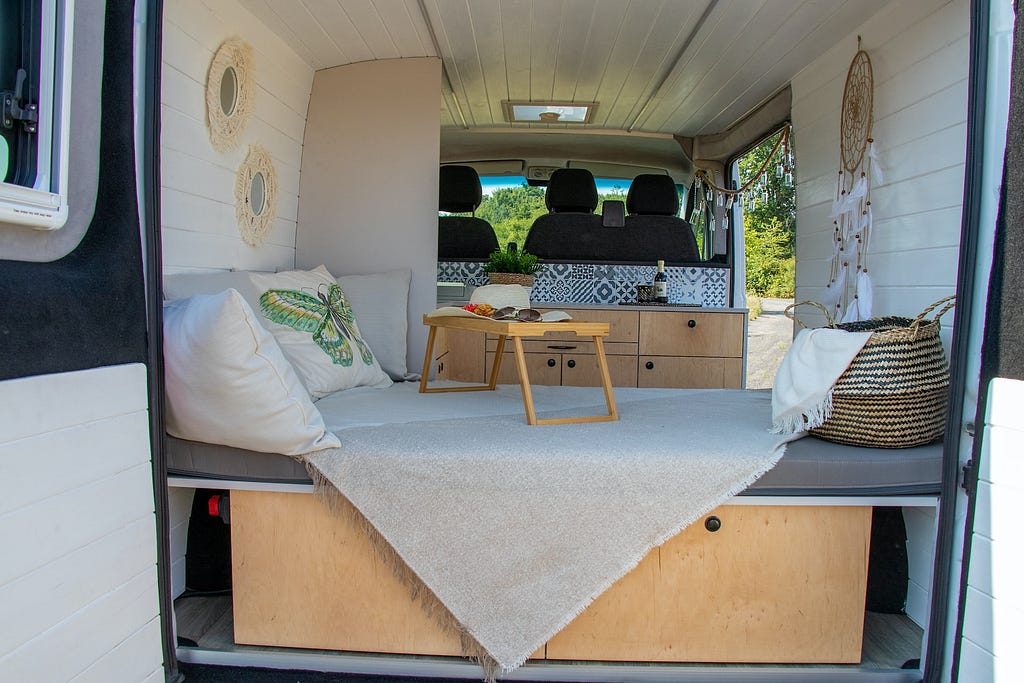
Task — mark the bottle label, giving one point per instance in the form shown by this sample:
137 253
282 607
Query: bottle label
660 289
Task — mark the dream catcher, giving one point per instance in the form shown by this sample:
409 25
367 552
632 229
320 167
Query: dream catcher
851 208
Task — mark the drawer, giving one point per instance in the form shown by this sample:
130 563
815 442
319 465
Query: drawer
575 370
673 333
550 345
690 373
771 584
623 325
582 371
541 372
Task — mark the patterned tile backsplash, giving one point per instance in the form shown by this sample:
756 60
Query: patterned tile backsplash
587 283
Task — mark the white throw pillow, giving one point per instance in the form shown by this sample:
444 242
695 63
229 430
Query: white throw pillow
228 383
380 302
312 321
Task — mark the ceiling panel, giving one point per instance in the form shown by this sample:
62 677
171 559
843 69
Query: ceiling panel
684 67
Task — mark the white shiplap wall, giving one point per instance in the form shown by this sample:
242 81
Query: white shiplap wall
994 611
198 199
78 584
919 55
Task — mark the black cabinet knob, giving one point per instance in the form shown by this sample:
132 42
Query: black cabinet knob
691 323
649 365
551 362
712 524
571 363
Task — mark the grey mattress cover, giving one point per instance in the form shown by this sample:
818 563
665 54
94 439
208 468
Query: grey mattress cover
810 466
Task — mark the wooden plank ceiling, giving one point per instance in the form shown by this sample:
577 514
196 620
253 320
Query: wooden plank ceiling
684 67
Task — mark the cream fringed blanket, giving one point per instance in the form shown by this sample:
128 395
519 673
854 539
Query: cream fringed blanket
516 529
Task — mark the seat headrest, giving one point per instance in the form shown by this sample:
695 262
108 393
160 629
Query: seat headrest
571 190
651 194
458 189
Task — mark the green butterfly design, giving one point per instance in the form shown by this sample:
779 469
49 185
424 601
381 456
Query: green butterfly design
327 316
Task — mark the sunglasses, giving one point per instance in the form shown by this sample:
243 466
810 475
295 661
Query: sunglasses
524 315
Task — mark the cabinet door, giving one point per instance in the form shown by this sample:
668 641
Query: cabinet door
582 371
672 333
690 373
543 368
772 584
464 361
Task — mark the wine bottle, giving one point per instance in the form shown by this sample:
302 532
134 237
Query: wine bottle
661 284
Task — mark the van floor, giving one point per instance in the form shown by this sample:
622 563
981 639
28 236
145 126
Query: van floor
890 640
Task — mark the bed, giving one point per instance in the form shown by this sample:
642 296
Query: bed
727 550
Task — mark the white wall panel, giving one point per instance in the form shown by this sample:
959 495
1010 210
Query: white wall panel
919 54
919 58
994 608
369 177
78 587
198 182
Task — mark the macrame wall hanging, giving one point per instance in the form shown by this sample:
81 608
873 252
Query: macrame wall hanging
757 189
256 196
848 294
229 94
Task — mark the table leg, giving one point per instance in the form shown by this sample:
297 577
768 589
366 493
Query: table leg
496 366
524 381
606 380
427 360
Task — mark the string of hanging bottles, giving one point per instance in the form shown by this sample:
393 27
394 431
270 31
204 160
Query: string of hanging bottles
757 190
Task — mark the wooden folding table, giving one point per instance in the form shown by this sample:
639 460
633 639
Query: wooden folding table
517 330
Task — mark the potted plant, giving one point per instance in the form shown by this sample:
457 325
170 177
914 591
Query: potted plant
511 267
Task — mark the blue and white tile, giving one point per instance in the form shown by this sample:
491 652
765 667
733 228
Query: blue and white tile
582 271
581 291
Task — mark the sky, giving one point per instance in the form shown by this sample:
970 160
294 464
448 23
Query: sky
489 184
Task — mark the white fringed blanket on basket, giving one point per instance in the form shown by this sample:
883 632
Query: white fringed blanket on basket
516 529
802 393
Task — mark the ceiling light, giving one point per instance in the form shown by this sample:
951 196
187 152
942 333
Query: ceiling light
548 112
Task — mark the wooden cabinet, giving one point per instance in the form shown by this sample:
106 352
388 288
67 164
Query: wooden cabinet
767 583
662 347
770 584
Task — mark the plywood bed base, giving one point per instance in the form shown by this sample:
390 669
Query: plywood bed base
774 584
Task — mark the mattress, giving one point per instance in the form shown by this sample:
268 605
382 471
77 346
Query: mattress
810 466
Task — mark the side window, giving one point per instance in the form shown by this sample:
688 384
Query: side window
35 87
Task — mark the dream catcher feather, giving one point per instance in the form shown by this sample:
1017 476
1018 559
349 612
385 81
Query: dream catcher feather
851 213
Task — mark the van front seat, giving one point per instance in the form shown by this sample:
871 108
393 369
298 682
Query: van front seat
569 231
653 228
462 237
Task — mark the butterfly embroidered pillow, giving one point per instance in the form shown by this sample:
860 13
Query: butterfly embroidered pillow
313 322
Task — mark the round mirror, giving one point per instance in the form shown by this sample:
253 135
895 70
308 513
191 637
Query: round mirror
228 91
229 94
257 194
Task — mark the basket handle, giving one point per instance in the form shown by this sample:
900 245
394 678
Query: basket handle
788 312
950 302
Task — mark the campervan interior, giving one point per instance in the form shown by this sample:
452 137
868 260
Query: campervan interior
308 145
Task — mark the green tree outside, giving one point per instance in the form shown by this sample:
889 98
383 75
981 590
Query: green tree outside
770 228
512 210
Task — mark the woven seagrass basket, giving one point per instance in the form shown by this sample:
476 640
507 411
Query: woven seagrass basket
510 279
894 392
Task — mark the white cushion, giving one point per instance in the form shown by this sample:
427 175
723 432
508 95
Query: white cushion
228 382
380 302
311 320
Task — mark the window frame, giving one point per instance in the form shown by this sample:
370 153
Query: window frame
44 206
